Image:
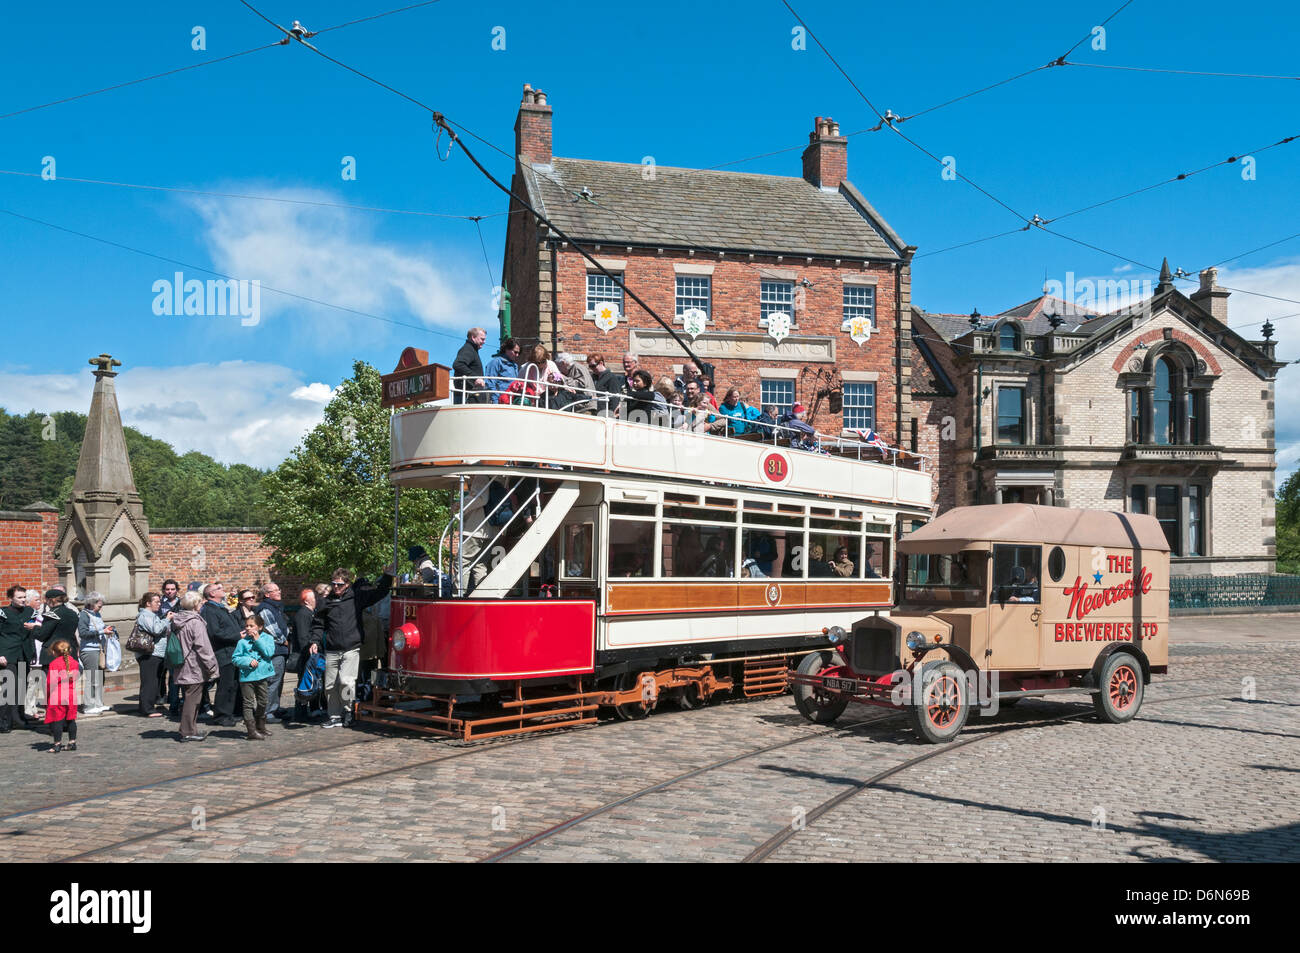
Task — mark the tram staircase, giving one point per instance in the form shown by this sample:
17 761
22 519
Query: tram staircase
526 711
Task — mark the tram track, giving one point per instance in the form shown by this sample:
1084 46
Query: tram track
175 779
484 749
606 808
778 840
283 799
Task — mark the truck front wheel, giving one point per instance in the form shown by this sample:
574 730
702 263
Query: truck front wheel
943 707
818 707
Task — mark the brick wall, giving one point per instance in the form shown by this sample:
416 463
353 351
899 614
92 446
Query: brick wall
26 539
235 556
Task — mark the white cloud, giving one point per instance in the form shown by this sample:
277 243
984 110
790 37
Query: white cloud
332 255
316 392
236 411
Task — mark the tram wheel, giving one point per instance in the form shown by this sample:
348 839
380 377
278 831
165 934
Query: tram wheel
633 711
818 708
1121 691
944 707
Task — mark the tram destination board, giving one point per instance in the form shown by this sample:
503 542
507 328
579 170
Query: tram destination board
415 380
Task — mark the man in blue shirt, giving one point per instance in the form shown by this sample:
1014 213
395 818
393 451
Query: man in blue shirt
504 366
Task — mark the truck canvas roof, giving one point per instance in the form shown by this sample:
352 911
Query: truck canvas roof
969 526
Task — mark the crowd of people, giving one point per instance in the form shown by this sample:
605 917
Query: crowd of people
201 654
687 402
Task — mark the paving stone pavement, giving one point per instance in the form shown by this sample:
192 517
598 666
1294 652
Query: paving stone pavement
1205 778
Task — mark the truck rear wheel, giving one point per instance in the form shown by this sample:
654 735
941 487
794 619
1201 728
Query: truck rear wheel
944 708
1121 691
819 708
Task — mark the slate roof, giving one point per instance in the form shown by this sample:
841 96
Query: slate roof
693 208
1032 316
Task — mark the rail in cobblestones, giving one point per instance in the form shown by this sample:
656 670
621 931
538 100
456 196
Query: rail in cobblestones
776 841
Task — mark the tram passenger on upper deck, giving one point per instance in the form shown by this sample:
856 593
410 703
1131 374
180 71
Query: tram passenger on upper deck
542 369
578 386
734 415
468 369
503 368
643 396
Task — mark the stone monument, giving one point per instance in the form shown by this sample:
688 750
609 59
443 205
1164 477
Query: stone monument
103 536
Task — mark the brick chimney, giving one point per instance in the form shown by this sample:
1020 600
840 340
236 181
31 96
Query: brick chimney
533 128
826 160
1211 297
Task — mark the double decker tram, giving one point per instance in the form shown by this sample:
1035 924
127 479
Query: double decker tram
598 565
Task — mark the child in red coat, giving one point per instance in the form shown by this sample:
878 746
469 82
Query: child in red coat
61 695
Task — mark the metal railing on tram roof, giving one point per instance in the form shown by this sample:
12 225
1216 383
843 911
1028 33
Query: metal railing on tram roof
555 395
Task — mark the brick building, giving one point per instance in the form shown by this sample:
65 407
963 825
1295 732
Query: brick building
739 247
1155 408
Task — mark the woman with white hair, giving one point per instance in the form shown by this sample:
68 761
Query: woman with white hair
34 678
91 631
198 661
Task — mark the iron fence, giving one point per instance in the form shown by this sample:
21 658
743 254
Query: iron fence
1199 594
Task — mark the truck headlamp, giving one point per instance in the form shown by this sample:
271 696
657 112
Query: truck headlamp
835 633
915 641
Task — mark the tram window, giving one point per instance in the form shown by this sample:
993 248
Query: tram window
632 509
694 551
769 552
720 501
850 515
577 551
631 549
755 505
836 526
876 563
1015 573
783 508
822 511
676 511
681 498
822 548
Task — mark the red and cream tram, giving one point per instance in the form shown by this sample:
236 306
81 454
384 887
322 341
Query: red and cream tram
602 565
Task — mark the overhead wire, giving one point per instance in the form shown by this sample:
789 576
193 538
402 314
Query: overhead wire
1182 72
257 198
214 61
209 271
135 82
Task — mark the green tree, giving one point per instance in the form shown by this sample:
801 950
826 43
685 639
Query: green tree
1288 525
330 503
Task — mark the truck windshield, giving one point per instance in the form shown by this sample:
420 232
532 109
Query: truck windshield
951 578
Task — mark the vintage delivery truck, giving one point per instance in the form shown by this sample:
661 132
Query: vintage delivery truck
1001 603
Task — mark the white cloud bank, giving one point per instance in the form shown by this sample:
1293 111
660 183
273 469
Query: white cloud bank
332 255
236 411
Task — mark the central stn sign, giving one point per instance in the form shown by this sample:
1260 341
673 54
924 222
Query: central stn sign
415 380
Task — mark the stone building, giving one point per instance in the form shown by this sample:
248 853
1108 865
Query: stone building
1155 408
742 249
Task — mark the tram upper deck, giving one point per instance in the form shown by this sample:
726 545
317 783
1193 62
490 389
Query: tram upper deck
433 446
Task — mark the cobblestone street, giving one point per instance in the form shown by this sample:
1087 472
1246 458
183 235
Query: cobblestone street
1206 772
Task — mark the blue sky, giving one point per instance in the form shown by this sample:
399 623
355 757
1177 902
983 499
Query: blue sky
690 84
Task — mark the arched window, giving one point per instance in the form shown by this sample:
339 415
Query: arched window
1009 337
1162 403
